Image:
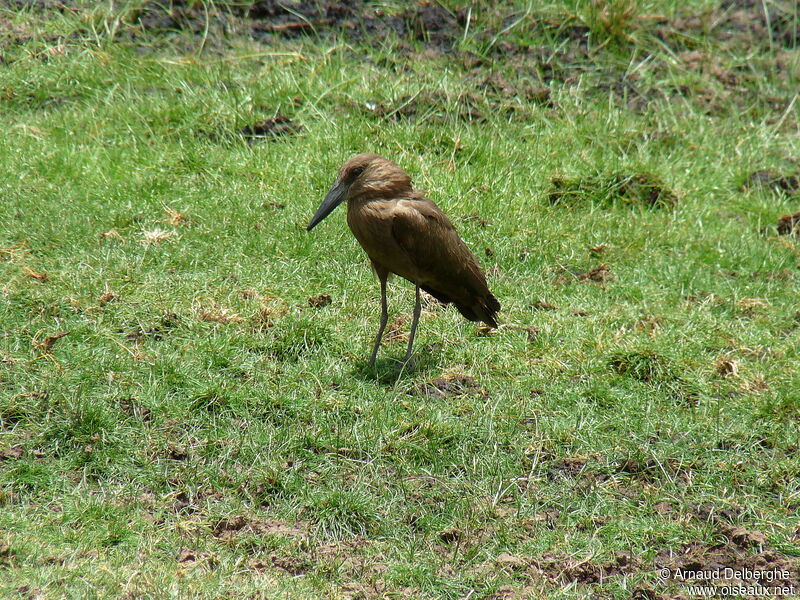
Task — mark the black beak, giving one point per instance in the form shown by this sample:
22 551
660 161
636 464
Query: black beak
333 199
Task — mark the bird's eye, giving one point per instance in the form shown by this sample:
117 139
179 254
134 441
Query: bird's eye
357 171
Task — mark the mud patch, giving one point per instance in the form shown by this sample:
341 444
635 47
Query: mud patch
789 225
642 189
270 129
452 385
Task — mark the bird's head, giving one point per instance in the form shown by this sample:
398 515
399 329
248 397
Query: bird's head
364 176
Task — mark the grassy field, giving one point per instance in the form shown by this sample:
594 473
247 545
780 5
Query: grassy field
185 405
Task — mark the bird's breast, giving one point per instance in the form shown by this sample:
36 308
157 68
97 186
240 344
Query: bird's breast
371 224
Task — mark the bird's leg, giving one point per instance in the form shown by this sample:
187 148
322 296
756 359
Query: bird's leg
414 323
384 319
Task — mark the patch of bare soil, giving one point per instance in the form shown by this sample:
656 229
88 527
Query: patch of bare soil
737 23
233 527
732 562
346 558
426 22
457 384
789 225
179 15
745 553
293 565
270 129
760 22
643 189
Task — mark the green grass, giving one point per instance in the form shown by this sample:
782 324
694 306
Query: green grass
196 386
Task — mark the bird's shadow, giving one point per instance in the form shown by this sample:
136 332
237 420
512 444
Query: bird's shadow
391 370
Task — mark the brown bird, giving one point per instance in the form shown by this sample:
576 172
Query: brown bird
405 233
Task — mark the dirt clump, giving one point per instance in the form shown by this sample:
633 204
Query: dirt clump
270 129
12 453
427 105
179 15
773 180
320 301
46 345
730 560
232 527
457 384
772 22
644 365
133 407
428 22
570 466
543 305
567 569
789 225
642 189
396 332
164 325
599 274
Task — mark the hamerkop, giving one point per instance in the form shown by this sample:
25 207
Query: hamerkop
405 233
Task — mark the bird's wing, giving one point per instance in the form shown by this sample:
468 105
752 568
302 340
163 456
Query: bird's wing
432 245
